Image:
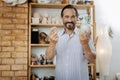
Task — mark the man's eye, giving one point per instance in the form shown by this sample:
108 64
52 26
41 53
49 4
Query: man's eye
66 16
73 16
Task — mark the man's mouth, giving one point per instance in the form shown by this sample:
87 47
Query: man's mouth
69 24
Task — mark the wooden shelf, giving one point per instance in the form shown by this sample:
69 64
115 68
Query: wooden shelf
52 25
39 45
91 64
43 66
46 25
51 66
59 6
49 25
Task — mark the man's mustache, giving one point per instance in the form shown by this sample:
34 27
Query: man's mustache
69 22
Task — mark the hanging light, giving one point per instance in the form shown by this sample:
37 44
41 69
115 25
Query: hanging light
103 50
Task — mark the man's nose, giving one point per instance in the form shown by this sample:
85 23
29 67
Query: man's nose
70 19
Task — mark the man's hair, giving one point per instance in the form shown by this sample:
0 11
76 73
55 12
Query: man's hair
69 7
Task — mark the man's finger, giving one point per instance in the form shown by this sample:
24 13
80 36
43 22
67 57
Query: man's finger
53 30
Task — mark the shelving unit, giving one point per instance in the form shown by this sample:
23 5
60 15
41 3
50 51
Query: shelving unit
52 65
90 11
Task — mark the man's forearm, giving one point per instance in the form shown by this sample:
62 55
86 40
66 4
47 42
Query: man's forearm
50 52
88 53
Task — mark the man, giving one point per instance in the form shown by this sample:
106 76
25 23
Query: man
72 49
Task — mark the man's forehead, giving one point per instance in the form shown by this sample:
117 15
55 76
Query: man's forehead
69 11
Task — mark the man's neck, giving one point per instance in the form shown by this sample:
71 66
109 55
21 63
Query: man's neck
69 32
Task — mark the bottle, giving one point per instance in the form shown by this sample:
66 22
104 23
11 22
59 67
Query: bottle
35 36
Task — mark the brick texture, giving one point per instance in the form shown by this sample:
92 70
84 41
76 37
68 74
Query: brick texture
0 26
4 67
19 78
13 41
20 73
17 67
5 54
6 78
7 73
0 61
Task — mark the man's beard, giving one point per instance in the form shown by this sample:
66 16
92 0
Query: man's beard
70 25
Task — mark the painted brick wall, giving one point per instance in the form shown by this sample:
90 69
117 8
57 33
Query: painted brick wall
13 41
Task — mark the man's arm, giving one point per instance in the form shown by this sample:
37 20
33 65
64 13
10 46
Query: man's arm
50 51
90 56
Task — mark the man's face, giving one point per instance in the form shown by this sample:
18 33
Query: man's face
69 18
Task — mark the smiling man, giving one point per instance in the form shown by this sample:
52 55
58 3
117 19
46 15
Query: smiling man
72 50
